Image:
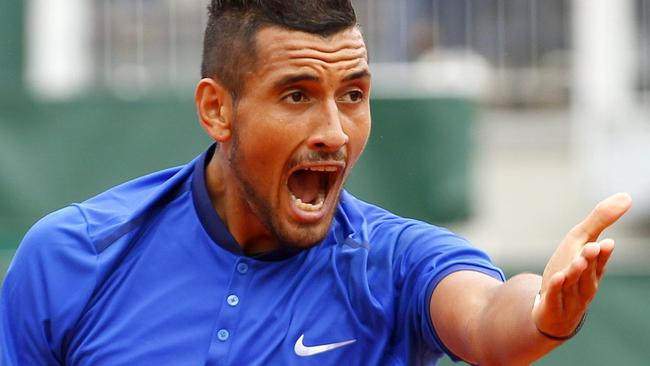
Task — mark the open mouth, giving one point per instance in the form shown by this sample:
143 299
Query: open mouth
309 186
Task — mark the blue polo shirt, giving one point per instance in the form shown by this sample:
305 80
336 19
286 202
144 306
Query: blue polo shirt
146 273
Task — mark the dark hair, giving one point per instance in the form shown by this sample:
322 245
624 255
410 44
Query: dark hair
229 42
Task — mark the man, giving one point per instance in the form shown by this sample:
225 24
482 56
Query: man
253 254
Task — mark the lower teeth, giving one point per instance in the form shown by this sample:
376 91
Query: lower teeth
310 206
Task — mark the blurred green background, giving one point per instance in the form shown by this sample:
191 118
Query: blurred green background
423 161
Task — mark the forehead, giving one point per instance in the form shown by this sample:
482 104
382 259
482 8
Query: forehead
278 48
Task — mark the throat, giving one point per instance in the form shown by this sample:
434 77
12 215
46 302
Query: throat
259 246
251 234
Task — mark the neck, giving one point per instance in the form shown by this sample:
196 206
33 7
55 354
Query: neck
229 201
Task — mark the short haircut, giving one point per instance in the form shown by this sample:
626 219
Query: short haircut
229 42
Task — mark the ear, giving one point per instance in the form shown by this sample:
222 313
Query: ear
214 106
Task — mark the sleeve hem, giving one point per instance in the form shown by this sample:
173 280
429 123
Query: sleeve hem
433 283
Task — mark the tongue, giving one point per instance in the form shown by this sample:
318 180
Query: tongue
305 184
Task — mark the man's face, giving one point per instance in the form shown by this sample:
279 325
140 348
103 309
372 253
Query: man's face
300 125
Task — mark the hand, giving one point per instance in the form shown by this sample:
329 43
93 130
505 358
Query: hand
571 277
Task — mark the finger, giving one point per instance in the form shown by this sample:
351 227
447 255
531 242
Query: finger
578 265
570 298
606 250
573 301
590 251
588 282
604 214
552 298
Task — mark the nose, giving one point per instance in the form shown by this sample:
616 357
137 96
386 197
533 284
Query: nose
329 135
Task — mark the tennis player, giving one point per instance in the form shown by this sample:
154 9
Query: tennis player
253 254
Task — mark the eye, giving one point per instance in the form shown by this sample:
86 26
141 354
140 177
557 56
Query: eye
354 96
296 97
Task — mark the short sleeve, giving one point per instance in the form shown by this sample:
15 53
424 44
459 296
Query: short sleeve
46 286
424 255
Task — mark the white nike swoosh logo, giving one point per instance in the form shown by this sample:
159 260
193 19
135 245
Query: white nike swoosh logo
304 351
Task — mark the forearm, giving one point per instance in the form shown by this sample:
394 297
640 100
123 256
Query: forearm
504 333
490 323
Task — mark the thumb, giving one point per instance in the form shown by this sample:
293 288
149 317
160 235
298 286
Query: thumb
607 212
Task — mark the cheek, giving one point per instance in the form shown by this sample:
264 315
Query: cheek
358 132
271 137
265 148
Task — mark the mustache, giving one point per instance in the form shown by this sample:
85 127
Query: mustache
318 157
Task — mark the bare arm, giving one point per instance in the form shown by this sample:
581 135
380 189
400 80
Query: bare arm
484 321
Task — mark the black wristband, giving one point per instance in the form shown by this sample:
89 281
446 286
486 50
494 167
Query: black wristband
565 338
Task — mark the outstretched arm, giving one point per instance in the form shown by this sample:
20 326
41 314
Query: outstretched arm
491 323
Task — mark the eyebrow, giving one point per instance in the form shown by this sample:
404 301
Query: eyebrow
358 75
293 79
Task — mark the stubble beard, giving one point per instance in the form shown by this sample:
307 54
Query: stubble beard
288 234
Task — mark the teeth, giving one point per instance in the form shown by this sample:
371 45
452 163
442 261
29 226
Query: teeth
323 168
309 206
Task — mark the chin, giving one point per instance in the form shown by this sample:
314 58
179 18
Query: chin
304 236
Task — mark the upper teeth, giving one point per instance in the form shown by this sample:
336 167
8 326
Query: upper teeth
322 168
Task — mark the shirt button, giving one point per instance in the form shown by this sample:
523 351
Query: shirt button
223 335
242 268
233 300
